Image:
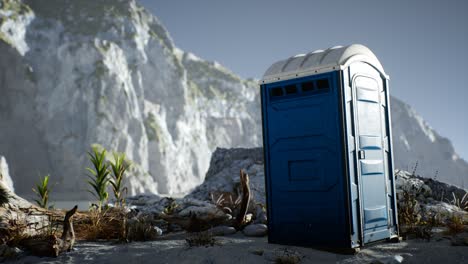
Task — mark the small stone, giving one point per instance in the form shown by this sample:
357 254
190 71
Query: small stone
248 218
257 251
158 230
389 260
261 216
222 230
256 230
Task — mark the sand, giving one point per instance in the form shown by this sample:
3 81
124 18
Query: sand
240 249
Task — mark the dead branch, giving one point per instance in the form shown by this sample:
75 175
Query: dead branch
244 203
50 245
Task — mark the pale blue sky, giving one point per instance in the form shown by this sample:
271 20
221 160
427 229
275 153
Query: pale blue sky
423 45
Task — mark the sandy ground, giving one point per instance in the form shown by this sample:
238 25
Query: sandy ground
240 249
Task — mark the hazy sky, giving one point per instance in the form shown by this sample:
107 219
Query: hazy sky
423 45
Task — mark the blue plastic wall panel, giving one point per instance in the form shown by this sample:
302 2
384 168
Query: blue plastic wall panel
304 168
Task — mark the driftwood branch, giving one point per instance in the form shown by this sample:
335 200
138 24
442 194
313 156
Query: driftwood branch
244 204
19 218
51 245
68 235
26 225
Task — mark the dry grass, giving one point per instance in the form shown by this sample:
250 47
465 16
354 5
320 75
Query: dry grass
15 234
226 201
461 203
455 224
19 230
96 224
414 220
141 229
408 209
113 224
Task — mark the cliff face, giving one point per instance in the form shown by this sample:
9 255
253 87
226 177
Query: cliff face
418 147
77 73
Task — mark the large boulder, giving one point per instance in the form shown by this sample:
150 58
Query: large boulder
223 174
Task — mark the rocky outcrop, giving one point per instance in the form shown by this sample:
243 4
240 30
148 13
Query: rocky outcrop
223 174
418 148
432 197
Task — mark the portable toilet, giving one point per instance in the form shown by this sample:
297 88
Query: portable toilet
328 149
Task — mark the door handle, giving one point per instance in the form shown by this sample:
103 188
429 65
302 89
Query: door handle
361 154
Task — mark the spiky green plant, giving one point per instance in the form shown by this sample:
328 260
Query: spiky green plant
98 177
119 165
42 191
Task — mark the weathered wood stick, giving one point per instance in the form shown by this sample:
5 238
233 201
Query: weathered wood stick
50 245
19 217
244 205
68 235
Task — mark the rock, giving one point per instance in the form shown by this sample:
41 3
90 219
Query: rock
158 231
426 190
427 193
7 252
445 210
5 174
255 230
203 212
260 215
222 230
175 228
223 175
460 239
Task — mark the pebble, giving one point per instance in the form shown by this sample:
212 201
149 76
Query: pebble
256 230
222 230
158 230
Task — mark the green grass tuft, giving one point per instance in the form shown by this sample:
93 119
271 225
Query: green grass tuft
119 166
42 191
98 175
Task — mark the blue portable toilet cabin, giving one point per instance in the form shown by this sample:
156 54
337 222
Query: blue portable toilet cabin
328 149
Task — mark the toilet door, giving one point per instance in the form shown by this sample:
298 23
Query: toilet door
370 152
